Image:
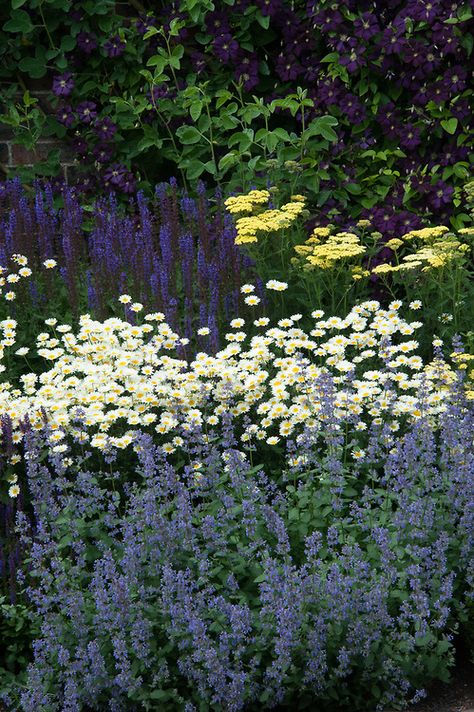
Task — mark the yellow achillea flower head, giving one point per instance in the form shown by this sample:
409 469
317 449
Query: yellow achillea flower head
247 203
325 255
426 233
394 243
257 221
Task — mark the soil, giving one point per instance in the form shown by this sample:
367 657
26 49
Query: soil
456 695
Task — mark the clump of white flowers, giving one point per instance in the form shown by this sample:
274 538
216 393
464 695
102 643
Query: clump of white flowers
119 377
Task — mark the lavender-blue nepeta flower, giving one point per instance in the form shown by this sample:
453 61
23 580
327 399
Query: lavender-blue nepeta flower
236 588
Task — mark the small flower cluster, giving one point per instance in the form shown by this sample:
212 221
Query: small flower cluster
325 255
248 202
439 248
14 276
266 221
463 362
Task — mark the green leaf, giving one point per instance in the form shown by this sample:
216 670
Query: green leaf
120 104
68 43
177 52
443 646
163 695
468 43
158 62
17 3
151 33
188 134
241 138
195 169
33 67
450 125
195 110
228 161
271 141
322 127
148 142
353 188
263 21
461 170
331 57
323 196
369 203
282 134
19 22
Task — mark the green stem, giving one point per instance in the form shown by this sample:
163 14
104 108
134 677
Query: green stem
170 133
170 65
50 39
302 133
211 142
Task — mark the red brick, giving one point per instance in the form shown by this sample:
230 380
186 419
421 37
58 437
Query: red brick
38 85
4 154
128 9
22 156
5 131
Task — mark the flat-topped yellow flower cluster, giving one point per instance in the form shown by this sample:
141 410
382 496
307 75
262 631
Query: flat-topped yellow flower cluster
435 248
324 250
464 362
117 377
430 248
262 221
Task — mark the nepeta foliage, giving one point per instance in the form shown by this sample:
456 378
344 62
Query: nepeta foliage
227 585
368 102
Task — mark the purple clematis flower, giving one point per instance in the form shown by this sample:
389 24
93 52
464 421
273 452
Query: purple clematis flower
410 137
86 111
114 47
441 194
326 20
393 39
118 176
269 8
247 72
105 128
217 23
455 78
199 62
366 26
225 47
145 23
81 147
86 42
444 39
63 84
355 57
438 92
102 152
65 116
287 67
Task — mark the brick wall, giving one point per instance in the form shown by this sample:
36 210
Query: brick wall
13 156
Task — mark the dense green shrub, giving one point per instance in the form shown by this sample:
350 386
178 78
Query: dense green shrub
367 105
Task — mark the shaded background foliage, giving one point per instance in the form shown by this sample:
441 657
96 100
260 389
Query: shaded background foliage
380 126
